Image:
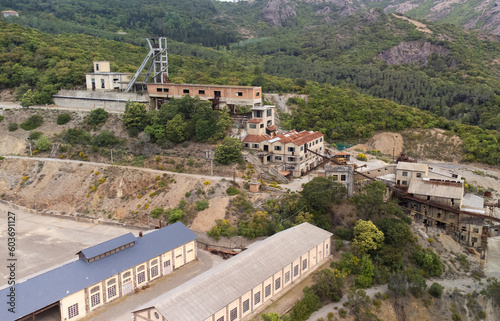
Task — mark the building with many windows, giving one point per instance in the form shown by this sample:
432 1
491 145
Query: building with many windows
103 273
102 79
242 286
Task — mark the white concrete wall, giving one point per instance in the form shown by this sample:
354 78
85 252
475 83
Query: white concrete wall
76 298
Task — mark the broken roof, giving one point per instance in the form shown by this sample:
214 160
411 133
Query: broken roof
255 138
298 138
436 188
207 293
412 166
255 120
44 289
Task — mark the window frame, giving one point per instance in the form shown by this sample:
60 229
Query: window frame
73 311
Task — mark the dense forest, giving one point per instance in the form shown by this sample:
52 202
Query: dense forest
344 62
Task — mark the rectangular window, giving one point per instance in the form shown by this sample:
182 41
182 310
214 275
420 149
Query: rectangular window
405 183
287 277
102 84
321 139
233 314
268 290
154 271
419 175
159 90
255 145
239 93
316 141
301 148
291 159
277 147
269 112
95 299
141 277
246 305
343 178
73 310
257 94
220 319
291 149
405 174
96 67
278 158
474 239
304 264
252 126
296 270
475 230
111 291
428 197
261 125
277 283
246 145
452 217
256 298
165 90
185 91
201 92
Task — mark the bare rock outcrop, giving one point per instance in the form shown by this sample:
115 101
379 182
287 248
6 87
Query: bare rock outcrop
278 12
409 52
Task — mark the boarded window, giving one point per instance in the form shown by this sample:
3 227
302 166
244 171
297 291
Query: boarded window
268 290
220 319
256 298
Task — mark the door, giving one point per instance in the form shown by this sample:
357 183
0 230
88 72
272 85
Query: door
167 267
266 148
126 283
216 93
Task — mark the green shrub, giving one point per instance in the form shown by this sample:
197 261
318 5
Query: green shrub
76 136
97 116
105 139
231 190
12 127
344 233
436 290
187 194
1 118
35 135
63 118
33 122
43 144
339 245
342 313
201 205
361 157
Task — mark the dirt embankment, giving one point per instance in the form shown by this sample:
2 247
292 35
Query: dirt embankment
106 192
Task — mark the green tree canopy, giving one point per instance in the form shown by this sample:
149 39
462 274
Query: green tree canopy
367 237
321 193
229 151
97 117
134 115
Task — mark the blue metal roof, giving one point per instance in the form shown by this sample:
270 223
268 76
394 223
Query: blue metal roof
107 246
54 285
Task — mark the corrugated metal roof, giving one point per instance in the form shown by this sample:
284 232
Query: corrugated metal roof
436 188
44 289
108 245
209 292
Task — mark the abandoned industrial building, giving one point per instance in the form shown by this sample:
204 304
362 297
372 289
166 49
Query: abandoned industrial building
240 287
103 273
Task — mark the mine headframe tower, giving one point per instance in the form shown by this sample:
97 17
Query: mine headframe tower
158 57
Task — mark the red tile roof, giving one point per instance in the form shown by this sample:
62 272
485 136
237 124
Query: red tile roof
255 120
256 138
298 138
272 128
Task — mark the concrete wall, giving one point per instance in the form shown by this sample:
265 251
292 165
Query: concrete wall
76 298
88 100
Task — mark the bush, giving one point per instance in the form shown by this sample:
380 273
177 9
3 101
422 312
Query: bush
76 136
342 313
43 144
33 122
1 118
361 157
344 233
231 190
105 139
229 151
436 290
12 127
201 205
63 118
97 116
35 135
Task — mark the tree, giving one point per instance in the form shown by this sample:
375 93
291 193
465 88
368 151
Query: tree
365 279
229 151
429 261
321 193
134 116
304 307
43 143
493 291
176 129
367 237
328 284
105 139
371 200
63 118
436 290
175 215
97 116
397 284
416 283
271 317
28 99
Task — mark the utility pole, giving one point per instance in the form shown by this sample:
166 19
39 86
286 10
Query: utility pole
210 155
36 210
111 155
29 143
